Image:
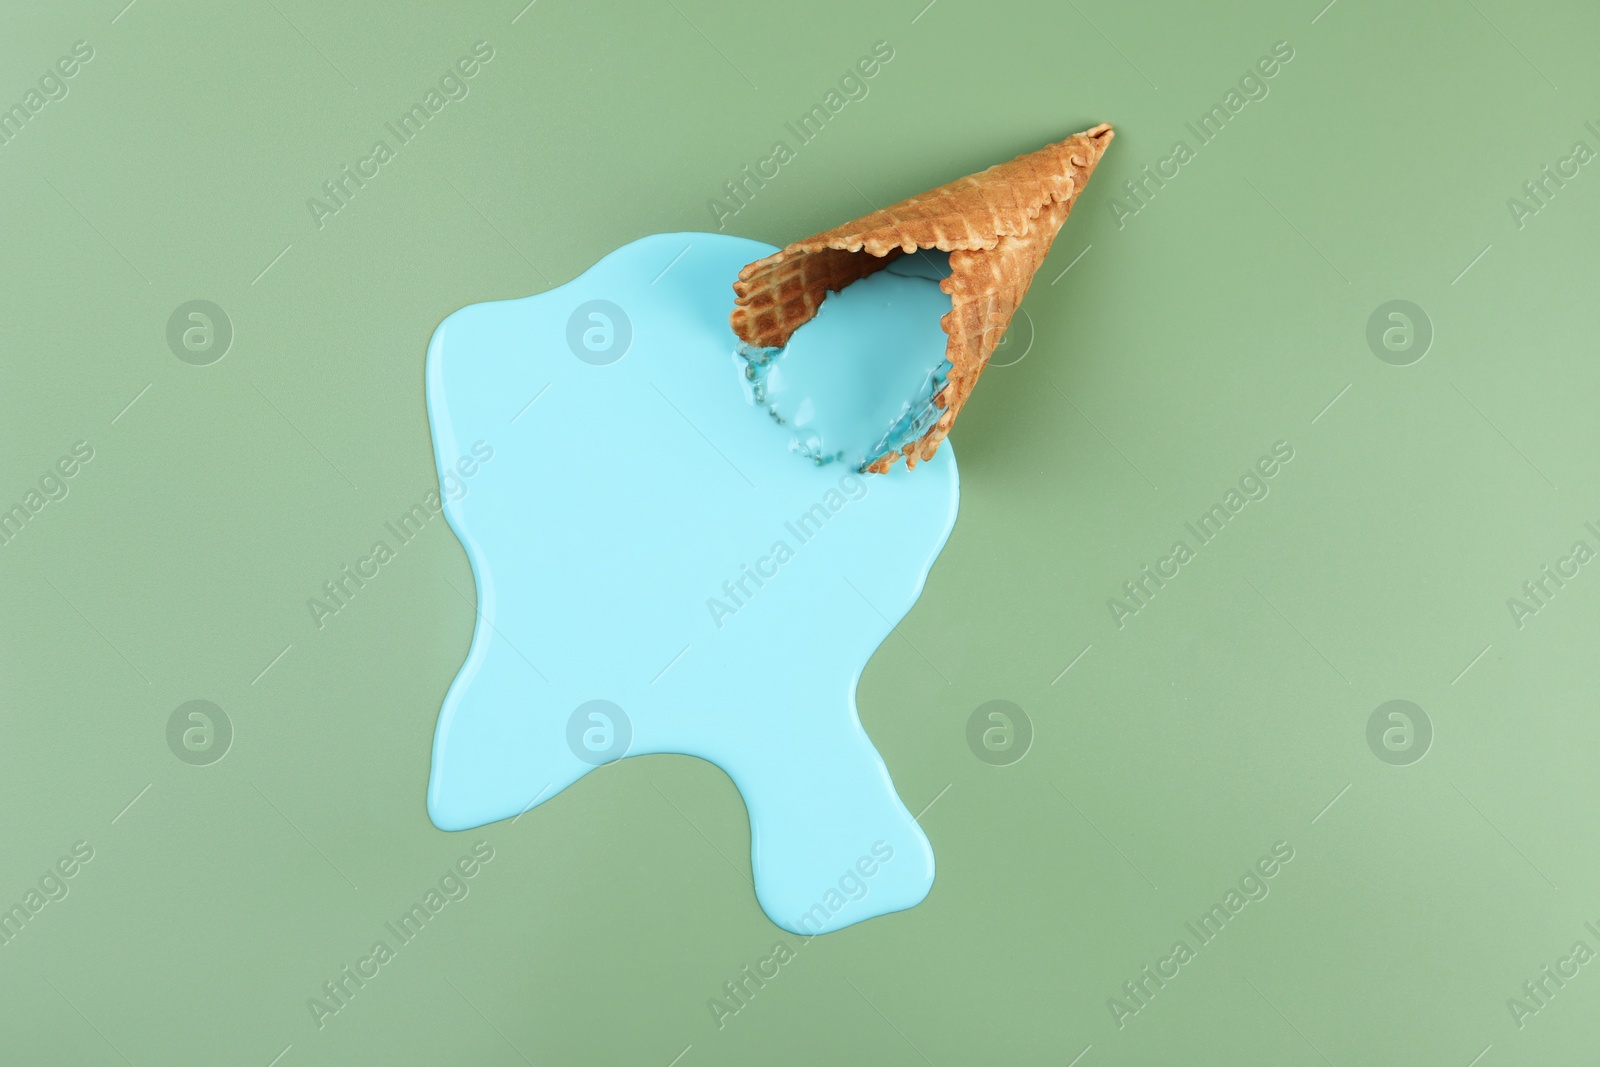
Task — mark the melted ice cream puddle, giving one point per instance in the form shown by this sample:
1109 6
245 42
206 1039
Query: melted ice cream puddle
658 573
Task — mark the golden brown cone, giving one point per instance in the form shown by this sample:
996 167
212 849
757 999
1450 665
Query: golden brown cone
997 226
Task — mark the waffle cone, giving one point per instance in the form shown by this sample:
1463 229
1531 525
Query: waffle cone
997 225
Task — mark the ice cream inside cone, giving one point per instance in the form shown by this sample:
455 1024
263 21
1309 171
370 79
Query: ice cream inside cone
859 379
983 236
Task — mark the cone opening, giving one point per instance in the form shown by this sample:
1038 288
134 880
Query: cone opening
863 378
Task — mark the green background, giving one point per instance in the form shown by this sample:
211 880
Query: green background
1226 716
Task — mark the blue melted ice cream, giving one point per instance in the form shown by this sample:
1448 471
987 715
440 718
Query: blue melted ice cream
858 380
658 573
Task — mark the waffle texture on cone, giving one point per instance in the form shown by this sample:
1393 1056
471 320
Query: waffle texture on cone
997 225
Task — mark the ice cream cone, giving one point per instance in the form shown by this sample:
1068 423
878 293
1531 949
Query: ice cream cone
997 225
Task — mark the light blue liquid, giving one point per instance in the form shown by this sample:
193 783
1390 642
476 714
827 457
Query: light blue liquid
601 537
858 380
